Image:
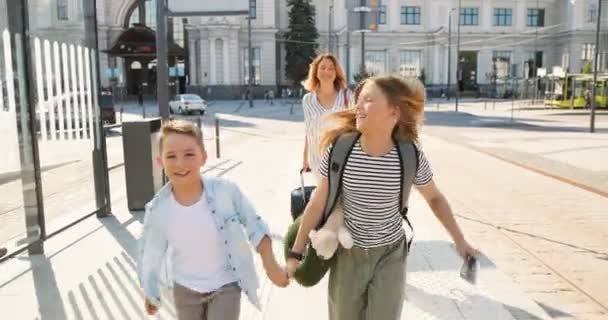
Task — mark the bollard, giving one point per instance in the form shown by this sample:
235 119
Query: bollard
217 137
121 110
493 104
198 122
485 105
437 106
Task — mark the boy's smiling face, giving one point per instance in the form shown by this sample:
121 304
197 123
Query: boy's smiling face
182 158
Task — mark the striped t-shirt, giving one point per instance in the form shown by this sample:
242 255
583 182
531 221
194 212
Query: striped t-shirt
370 195
314 113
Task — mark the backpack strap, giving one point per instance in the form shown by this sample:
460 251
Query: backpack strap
408 156
338 156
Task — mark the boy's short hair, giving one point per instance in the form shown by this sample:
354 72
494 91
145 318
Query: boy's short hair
183 127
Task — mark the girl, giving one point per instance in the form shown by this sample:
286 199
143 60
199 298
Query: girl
326 84
367 281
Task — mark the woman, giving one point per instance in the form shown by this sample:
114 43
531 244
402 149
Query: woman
328 93
367 281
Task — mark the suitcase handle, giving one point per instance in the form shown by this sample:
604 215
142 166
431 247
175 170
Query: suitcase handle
302 186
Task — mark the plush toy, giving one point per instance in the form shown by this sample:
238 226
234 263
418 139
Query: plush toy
325 240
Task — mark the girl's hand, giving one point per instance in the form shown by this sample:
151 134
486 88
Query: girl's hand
292 265
465 249
150 308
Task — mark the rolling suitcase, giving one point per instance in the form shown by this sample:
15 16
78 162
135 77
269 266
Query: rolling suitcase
300 197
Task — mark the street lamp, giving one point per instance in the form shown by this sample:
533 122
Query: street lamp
449 53
595 63
458 71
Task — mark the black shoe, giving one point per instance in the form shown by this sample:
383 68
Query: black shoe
3 252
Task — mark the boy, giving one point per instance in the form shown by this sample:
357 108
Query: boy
197 223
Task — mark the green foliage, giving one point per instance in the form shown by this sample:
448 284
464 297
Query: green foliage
587 67
301 40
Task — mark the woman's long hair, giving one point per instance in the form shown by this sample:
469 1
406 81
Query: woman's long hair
312 82
406 94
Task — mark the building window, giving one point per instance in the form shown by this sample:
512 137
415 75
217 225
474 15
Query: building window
591 11
219 61
62 10
502 63
382 14
253 9
536 17
257 62
410 15
502 16
375 61
469 16
588 51
410 63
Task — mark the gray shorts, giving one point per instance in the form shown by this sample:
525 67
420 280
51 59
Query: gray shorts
222 304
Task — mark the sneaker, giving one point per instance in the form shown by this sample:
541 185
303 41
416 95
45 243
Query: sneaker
3 252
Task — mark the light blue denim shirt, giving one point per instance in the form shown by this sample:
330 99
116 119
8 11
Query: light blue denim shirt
233 215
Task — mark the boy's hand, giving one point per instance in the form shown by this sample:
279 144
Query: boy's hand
150 308
278 275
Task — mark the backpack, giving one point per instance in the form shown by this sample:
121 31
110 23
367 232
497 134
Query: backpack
339 153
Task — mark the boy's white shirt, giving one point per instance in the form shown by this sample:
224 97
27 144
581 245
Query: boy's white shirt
199 262
232 213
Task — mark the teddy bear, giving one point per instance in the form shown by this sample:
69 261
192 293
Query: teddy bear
325 240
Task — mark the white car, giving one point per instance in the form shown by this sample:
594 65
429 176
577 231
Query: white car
187 104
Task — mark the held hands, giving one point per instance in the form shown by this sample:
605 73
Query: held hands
292 265
306 166
277 274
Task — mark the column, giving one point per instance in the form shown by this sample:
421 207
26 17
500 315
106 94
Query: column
212 77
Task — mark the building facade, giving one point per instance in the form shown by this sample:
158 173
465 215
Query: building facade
499 39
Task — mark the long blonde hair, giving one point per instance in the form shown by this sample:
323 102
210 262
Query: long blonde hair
312 82
406 94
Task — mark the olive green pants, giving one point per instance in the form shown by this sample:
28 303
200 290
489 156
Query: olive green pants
368 284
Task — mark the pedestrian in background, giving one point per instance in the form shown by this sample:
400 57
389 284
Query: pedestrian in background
327 92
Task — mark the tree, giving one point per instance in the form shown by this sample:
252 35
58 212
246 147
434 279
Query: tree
587 68
301 39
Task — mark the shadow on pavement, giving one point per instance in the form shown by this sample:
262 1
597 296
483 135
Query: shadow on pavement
440 305
463 119
50 305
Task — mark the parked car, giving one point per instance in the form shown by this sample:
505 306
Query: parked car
187 104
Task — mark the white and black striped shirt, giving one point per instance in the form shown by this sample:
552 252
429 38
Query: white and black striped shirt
370 193
314 113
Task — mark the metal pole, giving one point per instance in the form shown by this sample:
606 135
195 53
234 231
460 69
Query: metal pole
595 66
217 137
347 56
362 27
458 68
162 77
330 46
362 51
250 50
534 97
449 55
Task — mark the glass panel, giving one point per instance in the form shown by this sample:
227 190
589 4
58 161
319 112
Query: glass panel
19 223
65 97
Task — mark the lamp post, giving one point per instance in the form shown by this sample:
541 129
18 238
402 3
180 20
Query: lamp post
449 53
595 65
458 67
